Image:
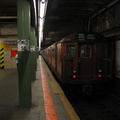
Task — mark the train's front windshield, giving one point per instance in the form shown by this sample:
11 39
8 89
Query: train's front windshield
70 51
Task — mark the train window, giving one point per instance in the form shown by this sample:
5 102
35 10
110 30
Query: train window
85 51
70 51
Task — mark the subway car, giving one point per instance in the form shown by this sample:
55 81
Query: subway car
80 59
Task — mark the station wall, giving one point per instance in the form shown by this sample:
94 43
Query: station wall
8 41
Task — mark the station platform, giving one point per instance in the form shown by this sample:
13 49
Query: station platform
48 99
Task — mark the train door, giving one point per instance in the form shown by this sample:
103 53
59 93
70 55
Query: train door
86 64
69 60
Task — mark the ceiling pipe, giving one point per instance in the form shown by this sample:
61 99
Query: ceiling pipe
100 11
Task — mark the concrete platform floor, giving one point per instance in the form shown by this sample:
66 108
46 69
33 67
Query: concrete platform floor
9 98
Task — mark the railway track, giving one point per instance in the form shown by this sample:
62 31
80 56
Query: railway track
104 107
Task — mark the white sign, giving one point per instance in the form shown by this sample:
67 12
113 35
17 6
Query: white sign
90 36
23 45
81 37
32 48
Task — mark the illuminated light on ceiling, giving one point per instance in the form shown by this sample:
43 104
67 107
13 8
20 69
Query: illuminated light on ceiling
34 4
42 10
42 13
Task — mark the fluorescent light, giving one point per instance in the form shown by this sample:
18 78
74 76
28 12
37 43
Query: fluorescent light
43 1
42 12
41 22
34 3
41 29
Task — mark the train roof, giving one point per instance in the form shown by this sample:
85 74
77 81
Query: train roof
84 38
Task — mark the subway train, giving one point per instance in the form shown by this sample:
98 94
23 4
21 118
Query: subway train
80 59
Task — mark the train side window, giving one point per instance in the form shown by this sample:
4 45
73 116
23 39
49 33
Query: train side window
85 51
70 51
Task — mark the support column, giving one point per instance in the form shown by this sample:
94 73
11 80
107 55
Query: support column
36 50
33 54
24 69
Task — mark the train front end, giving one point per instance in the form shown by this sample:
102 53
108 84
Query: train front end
83 60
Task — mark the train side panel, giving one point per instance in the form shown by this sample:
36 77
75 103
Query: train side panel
58 59
45 54
50 55
53 56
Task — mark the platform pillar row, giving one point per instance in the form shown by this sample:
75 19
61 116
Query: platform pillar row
24 54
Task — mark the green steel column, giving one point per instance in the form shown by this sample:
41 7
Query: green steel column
24 53
33 54
36 52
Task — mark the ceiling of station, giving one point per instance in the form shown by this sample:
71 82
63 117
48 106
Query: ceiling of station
8 11
60 13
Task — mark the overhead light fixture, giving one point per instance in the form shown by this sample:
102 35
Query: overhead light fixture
43 1
42 12
41 22
34 4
